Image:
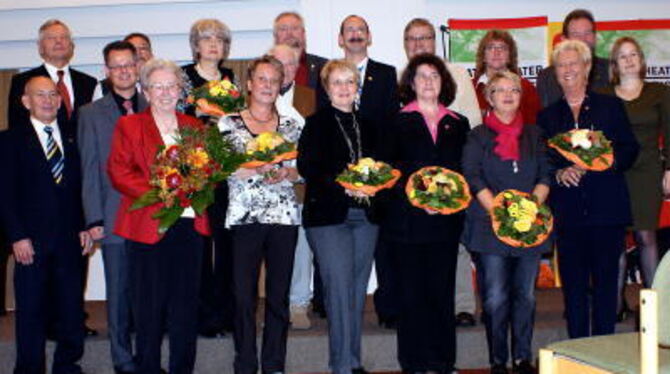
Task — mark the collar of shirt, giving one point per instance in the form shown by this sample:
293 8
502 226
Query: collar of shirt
483 79
42 135
120 100
67 78
284 105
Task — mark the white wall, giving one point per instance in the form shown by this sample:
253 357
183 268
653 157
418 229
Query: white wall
97 22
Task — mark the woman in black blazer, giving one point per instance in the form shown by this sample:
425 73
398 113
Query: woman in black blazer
591 209
424 133
339 228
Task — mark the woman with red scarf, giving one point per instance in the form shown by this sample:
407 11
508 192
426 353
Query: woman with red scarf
504 153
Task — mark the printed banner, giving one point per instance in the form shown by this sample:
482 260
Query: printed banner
529 33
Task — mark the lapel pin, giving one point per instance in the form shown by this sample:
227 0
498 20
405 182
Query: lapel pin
369 78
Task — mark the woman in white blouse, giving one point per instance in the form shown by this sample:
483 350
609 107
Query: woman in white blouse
263 218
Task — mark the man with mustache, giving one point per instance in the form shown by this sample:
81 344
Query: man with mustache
578 25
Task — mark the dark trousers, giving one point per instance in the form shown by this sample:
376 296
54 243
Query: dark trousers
216 293
588 258
508 298
49 290
386 294
252 244
426 328
166 280
5 250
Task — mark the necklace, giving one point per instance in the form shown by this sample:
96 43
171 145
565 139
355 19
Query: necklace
206 75
353 156
251 114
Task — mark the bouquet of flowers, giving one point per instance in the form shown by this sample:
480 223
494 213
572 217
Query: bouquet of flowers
368 176
217 98
438 189
586 148
185 174
520 221
268 148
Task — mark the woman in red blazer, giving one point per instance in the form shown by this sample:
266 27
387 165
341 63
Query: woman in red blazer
165 269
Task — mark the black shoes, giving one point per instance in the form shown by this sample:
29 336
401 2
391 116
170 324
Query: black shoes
390 323
465 319
90 332
499 369
523 367
359 371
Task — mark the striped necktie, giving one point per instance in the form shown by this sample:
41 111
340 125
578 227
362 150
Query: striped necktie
357 102
55 158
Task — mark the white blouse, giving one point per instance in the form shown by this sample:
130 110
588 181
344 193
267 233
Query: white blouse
251 200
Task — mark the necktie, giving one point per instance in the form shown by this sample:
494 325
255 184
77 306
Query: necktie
55 158
128 105
357 102
64 94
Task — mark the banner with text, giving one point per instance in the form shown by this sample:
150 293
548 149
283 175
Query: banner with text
530 35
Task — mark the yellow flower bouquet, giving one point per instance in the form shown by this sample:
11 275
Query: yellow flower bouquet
217 98
438 189
368 176
518 220
268 148
586 148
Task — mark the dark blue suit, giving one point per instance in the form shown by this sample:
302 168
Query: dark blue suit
50 215
591 218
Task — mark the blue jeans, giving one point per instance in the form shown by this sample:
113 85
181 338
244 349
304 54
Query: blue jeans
508 297
344 253
301 280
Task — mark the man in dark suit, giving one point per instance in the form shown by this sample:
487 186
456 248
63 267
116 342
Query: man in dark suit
142 45
377 102
578 25
97 121
56 49
42 214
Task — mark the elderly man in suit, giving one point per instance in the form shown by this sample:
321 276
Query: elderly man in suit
97 121
296 101
76 88
41 212
577 25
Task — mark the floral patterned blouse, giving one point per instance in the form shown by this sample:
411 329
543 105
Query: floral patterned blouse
251 200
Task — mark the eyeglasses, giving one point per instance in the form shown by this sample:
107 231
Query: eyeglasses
421 38
513 90
170 87
121 67
497 47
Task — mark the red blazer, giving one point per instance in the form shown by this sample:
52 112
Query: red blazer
134 144
529 105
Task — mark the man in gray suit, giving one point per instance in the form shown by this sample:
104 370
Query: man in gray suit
96 125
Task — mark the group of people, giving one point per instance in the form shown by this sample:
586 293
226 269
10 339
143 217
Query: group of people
63 157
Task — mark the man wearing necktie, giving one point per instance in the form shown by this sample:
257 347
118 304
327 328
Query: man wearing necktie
97 121
42 216
56 48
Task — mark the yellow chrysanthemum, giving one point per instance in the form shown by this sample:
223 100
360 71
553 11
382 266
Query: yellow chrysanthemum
432 188
529 206
507 195
225 84
198 158
522 225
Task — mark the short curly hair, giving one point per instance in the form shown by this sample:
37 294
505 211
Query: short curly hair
447 84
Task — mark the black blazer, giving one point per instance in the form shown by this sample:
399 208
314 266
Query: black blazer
34 206
379 99
408 146
601 197
83 86
322 155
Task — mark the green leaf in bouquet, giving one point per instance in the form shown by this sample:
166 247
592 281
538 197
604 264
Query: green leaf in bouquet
167 217
202 199
147 199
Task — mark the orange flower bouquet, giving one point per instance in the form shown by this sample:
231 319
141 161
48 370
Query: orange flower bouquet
185 174
268 148
438 189
586 148
518 220
217 98
368 177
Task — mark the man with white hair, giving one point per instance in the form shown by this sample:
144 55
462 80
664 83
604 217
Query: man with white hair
297 101
56 48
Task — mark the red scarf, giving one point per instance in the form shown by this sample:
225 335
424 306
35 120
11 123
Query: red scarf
507 140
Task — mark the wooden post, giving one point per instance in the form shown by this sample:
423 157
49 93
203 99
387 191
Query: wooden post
546 361
648 331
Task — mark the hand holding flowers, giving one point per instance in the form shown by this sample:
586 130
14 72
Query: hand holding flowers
519 220
588 149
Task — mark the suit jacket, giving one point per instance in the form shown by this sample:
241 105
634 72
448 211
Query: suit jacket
35 207
601 197
314 65
550 91
379 100
134 145
97 121
83 86
408 146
